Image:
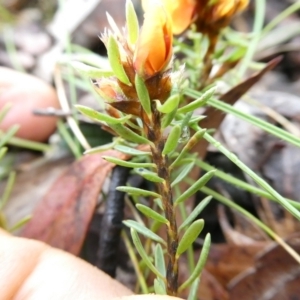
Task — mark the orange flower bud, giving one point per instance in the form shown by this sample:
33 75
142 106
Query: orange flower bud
212 15
107 88
154 47
228 8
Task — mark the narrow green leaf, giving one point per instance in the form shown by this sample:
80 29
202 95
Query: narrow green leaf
188 159
130 151
236 55
148 212
193 293
195 187
143 94
69 138
5 137
201 101
137 191
132 23
276 131
266 126
261 182
128 134
196 211
190 144
135 263
160 260
270 128
90 71
3 221
258 24
159 287
100 117
190 236
4 110
158 202
144 231
280 17
170 105
242 184
186 169
139 247
27 144
172 140
168 118
100 148
114 58
128 164
20 223
8 188
151 176
200 264
185 120
3 151
196 119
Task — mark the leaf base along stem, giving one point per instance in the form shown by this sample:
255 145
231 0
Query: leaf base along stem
154 134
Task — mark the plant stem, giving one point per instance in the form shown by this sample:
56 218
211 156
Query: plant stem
154 134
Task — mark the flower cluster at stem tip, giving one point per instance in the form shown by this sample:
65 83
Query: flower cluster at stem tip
138 56
146 55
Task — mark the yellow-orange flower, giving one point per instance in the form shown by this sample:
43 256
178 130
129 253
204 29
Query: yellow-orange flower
209 15
182 12
213 15
154 47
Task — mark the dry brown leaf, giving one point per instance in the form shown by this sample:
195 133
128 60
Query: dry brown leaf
210 288
61 219
244 231
227 261
33 180
275 276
